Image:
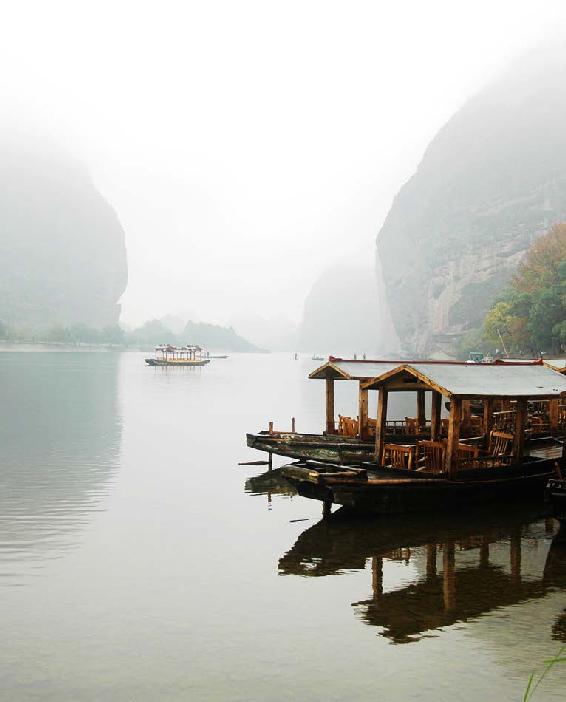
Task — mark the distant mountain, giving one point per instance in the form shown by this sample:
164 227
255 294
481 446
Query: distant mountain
62 249
276 333
216 338
491 181
343 314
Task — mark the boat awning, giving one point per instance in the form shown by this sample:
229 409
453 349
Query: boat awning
474 380
557 364
346 369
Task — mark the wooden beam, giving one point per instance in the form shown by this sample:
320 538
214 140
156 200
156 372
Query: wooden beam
466 412
487 419
449 574
421 416
377 576
553 413
330 406
363 412
380 424
435 417
520 426
453 435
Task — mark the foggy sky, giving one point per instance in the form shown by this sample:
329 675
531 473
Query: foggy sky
247 146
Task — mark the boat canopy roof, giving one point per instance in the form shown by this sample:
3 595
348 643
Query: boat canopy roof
474 380
558 364
357 369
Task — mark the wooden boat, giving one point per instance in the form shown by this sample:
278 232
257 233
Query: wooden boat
167 355
352 439
446 473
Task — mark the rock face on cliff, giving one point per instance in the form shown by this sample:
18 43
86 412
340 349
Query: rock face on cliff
62 250
343 315
492 180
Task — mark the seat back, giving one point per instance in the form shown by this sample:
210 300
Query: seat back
399 456
500 443
347 426
431 453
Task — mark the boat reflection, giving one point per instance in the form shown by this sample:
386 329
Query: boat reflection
461 567
269 483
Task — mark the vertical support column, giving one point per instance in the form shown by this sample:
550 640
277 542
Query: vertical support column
553 412
520 426
330 406
430 561
435 417
380 424
484 552
421 416
466 413
515 555
449 575
377 576
487 419
453 435
363 412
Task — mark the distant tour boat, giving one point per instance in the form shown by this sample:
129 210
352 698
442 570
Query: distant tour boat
167 355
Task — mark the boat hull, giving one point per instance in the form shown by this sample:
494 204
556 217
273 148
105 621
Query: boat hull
555 495
159 362
390 491
336 449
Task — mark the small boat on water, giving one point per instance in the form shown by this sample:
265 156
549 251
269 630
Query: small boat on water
446 471
168 355
556 497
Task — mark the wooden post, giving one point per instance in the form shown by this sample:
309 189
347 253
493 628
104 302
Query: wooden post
377 576
484 552
270 463
380 424
271 427
363 413
553 412
515 555
453 435
520 426
421 416
487 419
435 417
292 425
430 561
330 406
466 412
449 575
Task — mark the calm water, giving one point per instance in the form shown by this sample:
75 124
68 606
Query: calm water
139 562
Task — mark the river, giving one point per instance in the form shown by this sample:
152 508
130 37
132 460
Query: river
138 561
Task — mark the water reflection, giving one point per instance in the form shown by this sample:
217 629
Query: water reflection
59 444
458 567
270 483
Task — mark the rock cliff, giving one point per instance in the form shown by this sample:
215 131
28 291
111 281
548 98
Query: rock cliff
62 250
343 315
492 180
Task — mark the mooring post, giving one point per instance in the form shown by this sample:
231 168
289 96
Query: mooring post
270 461
292 425
271 427
326 508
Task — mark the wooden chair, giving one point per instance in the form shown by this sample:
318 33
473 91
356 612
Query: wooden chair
412 425
399 456
431 455
467 455
500 443
347 426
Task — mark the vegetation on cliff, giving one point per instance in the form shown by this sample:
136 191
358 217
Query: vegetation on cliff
530 316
